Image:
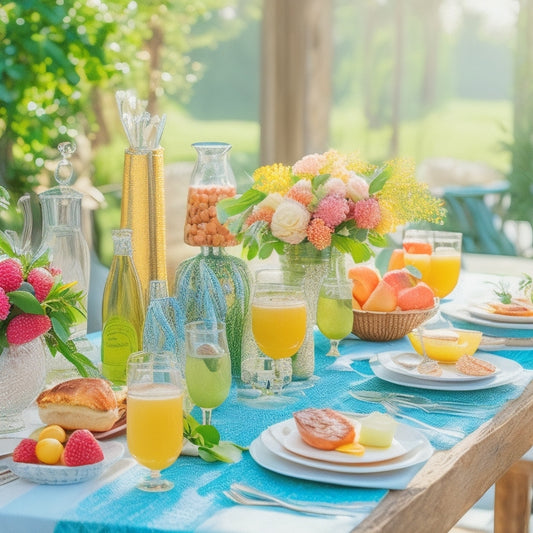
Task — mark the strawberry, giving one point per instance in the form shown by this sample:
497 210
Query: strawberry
26 327
82 449
5 305
42 282
10 274
25 452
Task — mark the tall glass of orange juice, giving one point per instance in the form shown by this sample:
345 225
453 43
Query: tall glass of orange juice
155 415
437 256
445 262
279 316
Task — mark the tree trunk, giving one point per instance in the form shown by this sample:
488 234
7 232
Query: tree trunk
397 77
295 79
154 46
432 32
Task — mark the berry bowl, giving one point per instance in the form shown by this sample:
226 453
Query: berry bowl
65 475
388 326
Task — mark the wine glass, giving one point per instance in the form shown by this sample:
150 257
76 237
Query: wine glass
207 365
279 317
334 312
155 414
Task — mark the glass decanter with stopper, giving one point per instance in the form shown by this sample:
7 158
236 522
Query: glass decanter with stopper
67 247
213 285
122 310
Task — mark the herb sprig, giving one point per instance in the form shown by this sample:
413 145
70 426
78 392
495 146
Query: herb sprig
210 447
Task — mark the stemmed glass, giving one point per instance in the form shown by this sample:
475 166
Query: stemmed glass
334 312
207 365
279 316
155 414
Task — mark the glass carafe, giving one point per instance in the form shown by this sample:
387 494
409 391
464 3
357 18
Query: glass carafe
62 235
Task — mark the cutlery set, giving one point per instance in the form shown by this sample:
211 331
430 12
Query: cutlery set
246 495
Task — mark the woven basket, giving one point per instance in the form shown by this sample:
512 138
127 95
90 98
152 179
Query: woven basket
378 326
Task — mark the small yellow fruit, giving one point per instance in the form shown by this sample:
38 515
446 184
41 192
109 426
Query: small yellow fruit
49 451
53 432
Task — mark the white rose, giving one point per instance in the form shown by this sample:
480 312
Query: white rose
357 187
272 200
289 222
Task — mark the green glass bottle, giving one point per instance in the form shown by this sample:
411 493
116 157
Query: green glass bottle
122 310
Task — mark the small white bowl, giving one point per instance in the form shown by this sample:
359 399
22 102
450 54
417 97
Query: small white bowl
65 475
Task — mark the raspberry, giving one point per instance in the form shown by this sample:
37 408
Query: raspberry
42 282
82 449
5 306
25 452
26 327
10 274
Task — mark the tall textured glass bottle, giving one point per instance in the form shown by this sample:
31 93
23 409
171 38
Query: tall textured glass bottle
122 310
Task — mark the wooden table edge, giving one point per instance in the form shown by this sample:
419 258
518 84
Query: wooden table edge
452 481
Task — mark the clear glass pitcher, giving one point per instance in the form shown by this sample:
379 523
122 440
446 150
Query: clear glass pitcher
61 231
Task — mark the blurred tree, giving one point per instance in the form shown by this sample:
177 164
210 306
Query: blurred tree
521 175
60 63
50 53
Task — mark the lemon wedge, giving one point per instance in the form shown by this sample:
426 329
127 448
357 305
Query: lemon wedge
354 448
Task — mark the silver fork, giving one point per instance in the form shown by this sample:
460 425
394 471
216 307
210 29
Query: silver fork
423 403
245 495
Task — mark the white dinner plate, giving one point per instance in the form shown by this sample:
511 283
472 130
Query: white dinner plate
509 371
480 311
286 433
449 372
453 310
420 451
65 475
395 479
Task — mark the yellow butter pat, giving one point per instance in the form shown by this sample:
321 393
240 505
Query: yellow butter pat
377 429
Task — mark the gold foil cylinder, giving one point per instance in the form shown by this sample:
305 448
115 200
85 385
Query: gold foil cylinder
143 211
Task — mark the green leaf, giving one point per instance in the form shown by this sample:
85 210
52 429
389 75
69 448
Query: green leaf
233 206
26 302
59 328
209 433
379 178
375 239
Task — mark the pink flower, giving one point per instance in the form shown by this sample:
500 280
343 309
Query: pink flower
332 210
263 213
309 164
302 192
367 213
318 234
357 187
289 222
335 186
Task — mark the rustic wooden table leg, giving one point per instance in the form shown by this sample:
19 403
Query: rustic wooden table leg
512 499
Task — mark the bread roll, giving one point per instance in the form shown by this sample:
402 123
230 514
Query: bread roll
81 403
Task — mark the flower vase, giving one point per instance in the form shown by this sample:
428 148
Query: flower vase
22 378
307 266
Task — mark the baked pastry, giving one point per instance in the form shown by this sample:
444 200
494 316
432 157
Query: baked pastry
81 403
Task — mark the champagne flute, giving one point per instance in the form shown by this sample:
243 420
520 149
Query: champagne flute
279 316
207 365
155 414
334 316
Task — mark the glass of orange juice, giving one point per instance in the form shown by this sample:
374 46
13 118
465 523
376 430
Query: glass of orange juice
437 256
279 316
155 415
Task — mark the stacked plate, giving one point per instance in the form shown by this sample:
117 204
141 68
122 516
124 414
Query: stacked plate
281 449
391 367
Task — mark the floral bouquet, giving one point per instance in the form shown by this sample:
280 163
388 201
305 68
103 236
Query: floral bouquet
34 302
328 199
